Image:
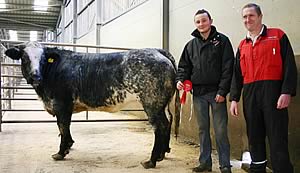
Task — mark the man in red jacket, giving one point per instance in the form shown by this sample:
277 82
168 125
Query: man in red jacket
265 67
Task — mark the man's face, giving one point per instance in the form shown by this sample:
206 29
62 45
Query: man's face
251 19
202 23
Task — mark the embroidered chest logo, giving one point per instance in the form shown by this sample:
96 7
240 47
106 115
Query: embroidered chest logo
215 42
272 37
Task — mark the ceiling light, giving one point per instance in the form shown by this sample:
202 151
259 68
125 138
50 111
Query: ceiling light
2 5
40 5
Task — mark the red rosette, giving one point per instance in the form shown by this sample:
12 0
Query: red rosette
187 86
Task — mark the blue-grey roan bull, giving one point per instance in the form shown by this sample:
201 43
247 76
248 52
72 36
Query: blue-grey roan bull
68 82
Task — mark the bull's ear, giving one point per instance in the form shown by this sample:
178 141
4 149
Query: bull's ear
52 57
14 53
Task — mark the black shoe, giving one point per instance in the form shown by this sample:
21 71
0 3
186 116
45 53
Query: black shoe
225 169
202 168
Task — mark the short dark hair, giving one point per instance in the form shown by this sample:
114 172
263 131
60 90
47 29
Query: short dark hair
203 11
256 7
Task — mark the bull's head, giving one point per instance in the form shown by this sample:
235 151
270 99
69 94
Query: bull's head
31 55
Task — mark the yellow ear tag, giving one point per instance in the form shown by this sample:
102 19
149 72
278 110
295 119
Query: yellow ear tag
50 60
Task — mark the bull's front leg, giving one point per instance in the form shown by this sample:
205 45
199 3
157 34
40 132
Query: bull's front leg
63 115
65 143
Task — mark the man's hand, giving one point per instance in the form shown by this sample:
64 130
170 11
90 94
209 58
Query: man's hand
219 98
179 85
234 109
283 101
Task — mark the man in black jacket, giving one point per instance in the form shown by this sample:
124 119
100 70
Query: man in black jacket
265 68
207 60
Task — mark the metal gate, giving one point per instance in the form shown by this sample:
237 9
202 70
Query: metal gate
11 80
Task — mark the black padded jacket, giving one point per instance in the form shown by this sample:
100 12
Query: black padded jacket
207 63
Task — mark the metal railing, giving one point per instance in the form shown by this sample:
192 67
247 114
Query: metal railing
10 74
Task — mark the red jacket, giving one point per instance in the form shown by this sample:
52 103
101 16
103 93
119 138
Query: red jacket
271 58
262 61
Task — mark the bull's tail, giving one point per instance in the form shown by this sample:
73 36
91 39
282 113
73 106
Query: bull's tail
177 99
177 113
171 120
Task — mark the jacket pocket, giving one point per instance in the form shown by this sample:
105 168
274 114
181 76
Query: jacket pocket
272 57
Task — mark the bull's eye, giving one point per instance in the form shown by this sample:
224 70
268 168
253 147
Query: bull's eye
25 60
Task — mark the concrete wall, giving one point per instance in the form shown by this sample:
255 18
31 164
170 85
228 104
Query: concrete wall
88 38
294 130
87 21
139 28
227 19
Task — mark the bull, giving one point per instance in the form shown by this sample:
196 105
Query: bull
68 82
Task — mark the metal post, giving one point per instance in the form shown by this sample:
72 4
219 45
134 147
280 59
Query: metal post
98 35
9 84
15 80
1 93
74 23
100 15
87 112
165 25
87 115
63 23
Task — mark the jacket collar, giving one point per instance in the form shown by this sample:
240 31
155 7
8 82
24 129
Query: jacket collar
264 33
212 33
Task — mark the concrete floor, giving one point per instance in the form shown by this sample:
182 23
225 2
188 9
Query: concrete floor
99 147
108 147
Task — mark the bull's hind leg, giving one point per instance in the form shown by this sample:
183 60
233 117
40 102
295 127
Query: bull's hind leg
63 111
162 136
165 133
161 140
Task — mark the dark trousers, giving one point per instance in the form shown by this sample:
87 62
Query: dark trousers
220 120
263 120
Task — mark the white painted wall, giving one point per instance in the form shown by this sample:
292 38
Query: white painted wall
227 18
142 27
138 28
88 39
86 32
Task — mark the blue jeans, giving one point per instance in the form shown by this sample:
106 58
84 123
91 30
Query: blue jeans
220 120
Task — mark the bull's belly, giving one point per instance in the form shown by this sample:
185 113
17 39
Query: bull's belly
80 106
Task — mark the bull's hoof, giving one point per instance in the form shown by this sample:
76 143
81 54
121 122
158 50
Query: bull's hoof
67 151
168 150
70 144
148 164
58 156
161 157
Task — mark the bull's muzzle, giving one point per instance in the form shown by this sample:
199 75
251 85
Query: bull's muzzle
36 80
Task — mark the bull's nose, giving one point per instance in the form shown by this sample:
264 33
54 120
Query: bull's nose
36 77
